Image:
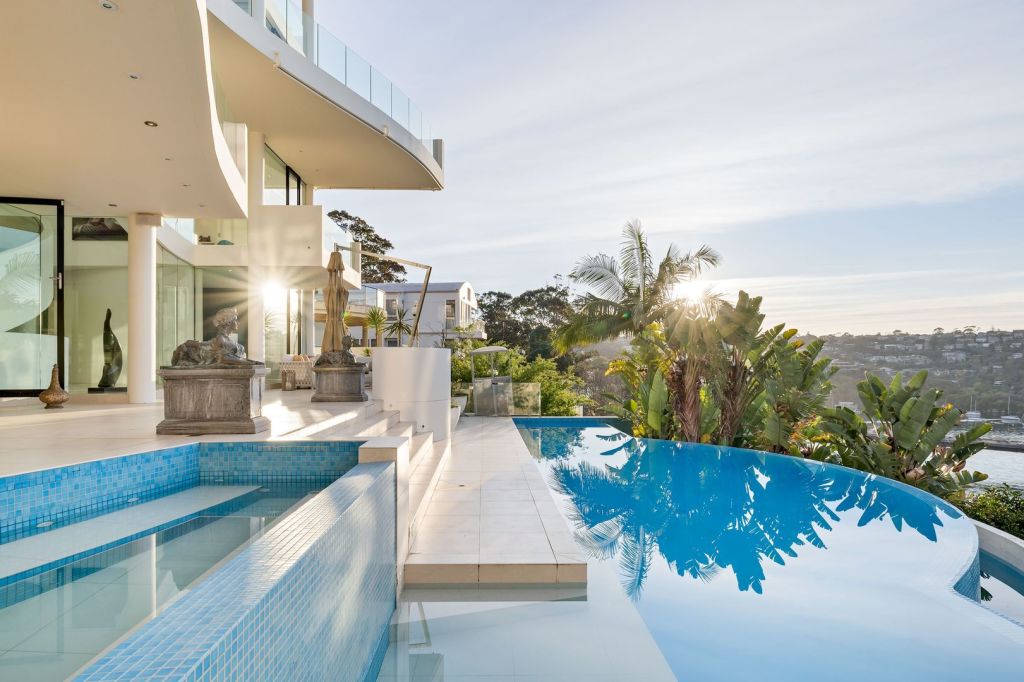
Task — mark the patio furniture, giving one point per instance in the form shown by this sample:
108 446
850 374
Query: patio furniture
303 368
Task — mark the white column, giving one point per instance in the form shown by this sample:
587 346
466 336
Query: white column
259 11
255 347
142 307
308 314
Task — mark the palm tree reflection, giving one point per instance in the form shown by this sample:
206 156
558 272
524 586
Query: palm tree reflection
705 508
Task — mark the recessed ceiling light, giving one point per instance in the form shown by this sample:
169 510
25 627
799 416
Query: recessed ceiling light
151 124
202 205
167 158
134 76
107 4
186 185
112 205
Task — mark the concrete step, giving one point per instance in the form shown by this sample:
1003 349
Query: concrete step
401 429
421 443
424 475
349 416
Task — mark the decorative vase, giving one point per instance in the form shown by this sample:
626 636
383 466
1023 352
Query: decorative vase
54 396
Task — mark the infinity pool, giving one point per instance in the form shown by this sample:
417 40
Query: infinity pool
54 622
710 563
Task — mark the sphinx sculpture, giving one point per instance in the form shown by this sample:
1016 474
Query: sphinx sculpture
211 387
220 351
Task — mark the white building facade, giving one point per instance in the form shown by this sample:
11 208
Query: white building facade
450 310
179 179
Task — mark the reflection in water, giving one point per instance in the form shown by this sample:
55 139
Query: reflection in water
707 508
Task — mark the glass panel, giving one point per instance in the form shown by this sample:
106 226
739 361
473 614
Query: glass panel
277 17
294 24
244 5
380 89
275 329
222 232
357 74
274 180
28 303
175 305
400 107
330 54
95 281
415 121
525 399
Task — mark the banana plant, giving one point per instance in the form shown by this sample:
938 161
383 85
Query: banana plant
902 436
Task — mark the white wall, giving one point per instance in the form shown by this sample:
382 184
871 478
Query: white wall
417 383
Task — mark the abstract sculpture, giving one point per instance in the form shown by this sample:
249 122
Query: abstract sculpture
113 361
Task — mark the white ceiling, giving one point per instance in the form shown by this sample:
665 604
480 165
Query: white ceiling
73 118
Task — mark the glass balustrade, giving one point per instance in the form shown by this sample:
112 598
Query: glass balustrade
285 19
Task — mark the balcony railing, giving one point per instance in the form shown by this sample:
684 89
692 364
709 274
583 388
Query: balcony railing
285 19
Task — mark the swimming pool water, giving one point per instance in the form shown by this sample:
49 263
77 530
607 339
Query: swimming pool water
53 623
711 563
745 565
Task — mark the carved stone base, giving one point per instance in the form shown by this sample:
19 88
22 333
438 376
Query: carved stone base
199 400
344 384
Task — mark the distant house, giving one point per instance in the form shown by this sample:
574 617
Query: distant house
450 310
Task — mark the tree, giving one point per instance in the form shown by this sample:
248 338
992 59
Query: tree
628 294
377 320
902 434
527 320
374 270
399 326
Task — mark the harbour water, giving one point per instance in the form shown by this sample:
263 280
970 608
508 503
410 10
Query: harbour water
1002 466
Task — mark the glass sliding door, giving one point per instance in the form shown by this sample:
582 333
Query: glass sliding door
31 321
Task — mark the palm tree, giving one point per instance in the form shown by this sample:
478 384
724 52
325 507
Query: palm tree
377 319
399 326
630 293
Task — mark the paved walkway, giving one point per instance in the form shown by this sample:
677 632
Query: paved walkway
32 438
492 518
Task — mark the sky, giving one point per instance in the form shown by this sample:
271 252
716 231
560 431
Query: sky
859 164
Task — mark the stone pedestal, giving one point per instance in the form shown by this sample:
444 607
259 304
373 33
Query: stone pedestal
339 384
201 400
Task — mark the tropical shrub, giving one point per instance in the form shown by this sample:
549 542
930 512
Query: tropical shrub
998 506
734 383
646 404
901 436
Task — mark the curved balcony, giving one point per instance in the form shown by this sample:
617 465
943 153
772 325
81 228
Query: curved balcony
314 72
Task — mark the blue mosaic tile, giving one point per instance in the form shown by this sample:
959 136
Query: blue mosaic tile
310 600
43 500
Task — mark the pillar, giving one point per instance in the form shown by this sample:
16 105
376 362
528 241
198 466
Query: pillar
308 316
142 307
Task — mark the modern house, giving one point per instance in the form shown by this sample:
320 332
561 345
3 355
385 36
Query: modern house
449 310
176 177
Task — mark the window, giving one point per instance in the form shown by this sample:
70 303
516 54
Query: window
449 314
275 179
282 186
391 343
391 306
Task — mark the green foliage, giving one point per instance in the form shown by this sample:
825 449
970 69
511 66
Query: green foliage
399 326
527 320
901 436
377 320
999 506
626 295
734 383
374 270
560 391
646 405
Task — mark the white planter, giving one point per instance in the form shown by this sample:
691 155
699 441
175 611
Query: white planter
417 383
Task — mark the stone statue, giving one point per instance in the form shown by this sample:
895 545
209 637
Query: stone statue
113 361
220 352
338 358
